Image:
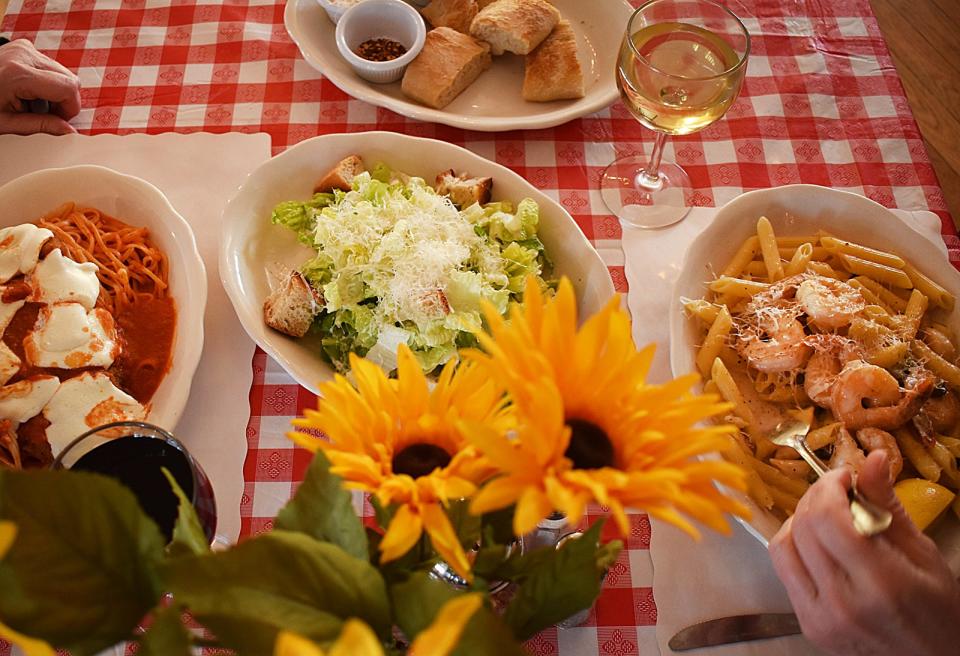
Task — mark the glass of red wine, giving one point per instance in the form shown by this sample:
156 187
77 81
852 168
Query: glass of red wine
134 453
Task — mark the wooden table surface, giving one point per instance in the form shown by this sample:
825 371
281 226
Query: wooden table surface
922 38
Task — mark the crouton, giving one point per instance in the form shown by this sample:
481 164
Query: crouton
291 307
463 191
341 176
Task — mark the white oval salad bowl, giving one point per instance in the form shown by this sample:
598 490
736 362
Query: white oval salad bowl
138 203
252 248
802 210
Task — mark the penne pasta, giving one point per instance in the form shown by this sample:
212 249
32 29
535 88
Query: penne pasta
879 272
824 269
917 455
801 258
737 287
935 363
839 246
744 255
937 294
888 298
817 252
703 310
916 308
769 249
714 340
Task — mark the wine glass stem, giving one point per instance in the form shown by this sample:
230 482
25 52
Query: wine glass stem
649 177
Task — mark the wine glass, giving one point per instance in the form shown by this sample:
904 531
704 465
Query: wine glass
133 453
681 66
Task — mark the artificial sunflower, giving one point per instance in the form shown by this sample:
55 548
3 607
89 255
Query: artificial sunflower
589 426
399 440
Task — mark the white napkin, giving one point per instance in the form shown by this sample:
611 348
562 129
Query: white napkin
198 173
719 576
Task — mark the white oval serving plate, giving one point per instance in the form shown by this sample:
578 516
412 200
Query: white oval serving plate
802 210
494 102
138 203
251 246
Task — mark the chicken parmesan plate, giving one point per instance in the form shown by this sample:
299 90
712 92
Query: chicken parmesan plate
94 309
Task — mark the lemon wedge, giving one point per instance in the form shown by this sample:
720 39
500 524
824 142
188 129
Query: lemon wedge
923 500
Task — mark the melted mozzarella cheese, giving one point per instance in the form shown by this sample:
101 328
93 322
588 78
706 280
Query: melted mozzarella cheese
57 279
85 402
7 310
20 249
66 336
26 398
9 363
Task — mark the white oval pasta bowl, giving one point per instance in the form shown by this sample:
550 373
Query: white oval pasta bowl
802 210
138 203
251 246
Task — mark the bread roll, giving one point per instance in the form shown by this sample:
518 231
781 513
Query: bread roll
448 64
515 25
455 14
553 70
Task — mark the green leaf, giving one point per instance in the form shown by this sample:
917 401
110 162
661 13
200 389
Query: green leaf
465 525
279 580
323 509
417 601
82 571
486 633
557 583
167 636
188 535
498 526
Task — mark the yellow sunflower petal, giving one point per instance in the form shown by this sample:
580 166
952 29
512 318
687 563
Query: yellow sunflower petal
532 507
444 539
405 529
441 637
292 644
356 639
497 494
8 533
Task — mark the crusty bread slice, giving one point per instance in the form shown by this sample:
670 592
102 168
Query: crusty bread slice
448 64
463 191
455 14
553 69
341 176
291 307
516 26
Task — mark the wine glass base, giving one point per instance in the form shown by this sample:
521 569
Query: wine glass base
639 205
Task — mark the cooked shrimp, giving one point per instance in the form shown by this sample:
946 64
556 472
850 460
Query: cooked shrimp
820 376
779 347
831 352
943 411
867 395
872 439
829 303
846 453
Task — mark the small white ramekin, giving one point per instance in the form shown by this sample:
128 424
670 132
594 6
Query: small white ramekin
380 19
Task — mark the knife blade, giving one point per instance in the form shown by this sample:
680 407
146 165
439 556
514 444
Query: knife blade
737 628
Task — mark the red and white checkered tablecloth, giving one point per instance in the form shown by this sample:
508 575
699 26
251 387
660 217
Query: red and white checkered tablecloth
822 104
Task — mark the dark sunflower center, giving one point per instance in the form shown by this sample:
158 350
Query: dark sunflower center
419 459
589 448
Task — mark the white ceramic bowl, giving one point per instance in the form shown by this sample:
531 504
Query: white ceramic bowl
380 19
138 203
250 244
494 101
801 210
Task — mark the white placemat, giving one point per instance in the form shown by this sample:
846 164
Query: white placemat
198 173
719 576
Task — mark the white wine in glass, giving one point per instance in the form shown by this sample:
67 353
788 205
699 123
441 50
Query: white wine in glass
680 68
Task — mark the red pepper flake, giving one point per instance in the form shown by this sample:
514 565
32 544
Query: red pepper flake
381 50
